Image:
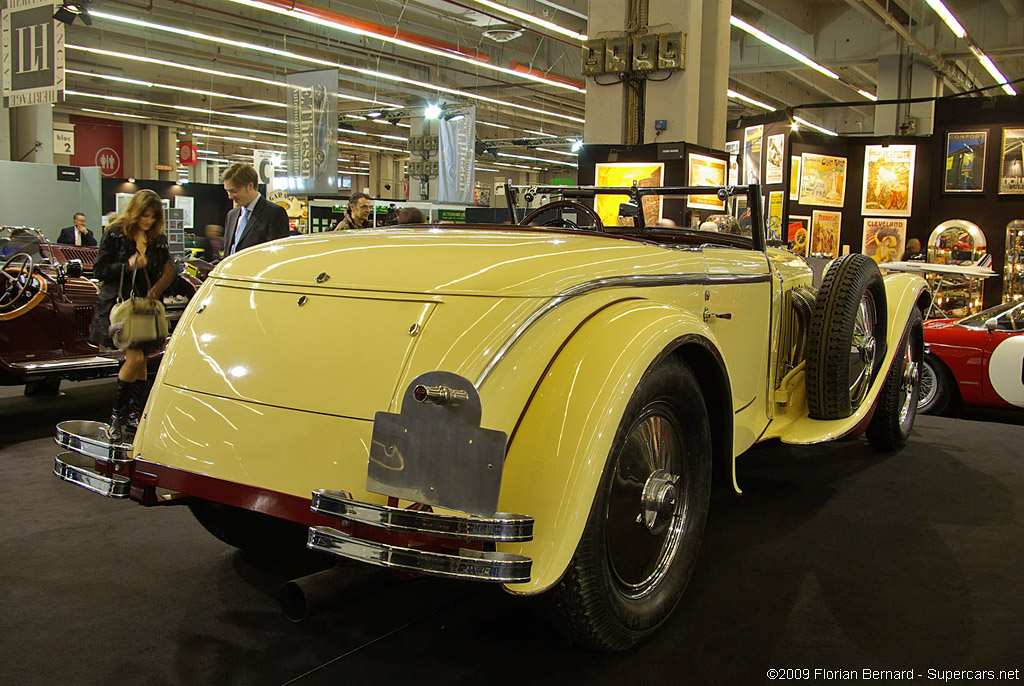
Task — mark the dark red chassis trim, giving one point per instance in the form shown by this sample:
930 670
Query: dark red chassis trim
147 477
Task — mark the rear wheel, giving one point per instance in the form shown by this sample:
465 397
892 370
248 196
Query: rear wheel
897 404
253 532
644 531
936 386
846 341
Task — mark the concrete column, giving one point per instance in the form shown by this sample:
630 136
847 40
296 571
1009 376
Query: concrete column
149 152
605 105
900 76
167 138
28 125
131 165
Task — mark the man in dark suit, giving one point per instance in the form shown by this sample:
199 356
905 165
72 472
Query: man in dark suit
78 233
254 220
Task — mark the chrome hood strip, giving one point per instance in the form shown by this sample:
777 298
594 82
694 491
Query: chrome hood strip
634 281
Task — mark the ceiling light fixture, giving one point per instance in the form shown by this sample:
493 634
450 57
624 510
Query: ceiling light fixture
531 19
432 111
577 145
750 101
822 129
70 10
870 96
947 17
993 70
371 73
782 47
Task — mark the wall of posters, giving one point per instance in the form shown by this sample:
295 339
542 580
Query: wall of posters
752 154
822 180
799 232
1011 163
825 233
794 178
705 171
888 180
965 162
733 148
775 199
623 174
885 238
773 159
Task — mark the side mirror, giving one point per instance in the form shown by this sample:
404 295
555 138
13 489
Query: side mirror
992 324
73 269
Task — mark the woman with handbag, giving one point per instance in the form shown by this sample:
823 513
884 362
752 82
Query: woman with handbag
133 260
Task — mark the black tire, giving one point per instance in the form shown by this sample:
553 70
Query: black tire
49 385
626 576
896 408
936 386
846 340
250 531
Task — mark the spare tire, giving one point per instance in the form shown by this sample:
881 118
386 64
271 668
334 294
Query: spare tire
846 340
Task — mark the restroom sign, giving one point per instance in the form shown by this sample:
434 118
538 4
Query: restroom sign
33 53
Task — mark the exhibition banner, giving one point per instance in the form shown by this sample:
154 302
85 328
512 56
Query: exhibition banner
825 226
965 162
1011 163
752 154
456 156
706 171
822 180
888 180
33 53
773 160
884 238
311 160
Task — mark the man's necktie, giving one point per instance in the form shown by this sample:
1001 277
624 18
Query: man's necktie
243 218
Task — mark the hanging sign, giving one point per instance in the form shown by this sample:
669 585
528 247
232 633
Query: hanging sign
33 53
312 154
187 153
456 157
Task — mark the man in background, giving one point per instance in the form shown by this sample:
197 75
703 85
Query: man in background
78 233
357 216
254 220
913 251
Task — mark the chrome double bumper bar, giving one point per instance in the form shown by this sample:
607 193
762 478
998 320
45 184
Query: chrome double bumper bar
502 527
477 565
90 439
80 470
466 564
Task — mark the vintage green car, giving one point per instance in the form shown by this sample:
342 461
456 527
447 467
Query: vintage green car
540 406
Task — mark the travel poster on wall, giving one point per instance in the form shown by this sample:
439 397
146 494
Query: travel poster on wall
1011 163
884 238
752 154
794 178
775 199
825 233
965 162
822 180
888 180
646 174
773 159
705 171
799 233
733 148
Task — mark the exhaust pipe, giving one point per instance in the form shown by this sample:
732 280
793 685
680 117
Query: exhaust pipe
310 595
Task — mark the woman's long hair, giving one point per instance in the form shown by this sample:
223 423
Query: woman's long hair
140 203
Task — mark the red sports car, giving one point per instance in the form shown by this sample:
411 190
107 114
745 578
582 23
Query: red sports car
979 358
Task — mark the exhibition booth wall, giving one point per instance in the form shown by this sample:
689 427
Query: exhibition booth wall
210 204
32 195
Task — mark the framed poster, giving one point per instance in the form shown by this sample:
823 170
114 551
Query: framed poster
1011 163
965 162
885 238
798 231
773 160
825 233
794 178
752 154
624 174
775 200
187 203
888 180
822 180
733 148
705 171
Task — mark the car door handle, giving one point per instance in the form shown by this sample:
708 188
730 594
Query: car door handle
708 315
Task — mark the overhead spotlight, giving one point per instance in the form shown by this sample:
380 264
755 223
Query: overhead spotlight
454 116
372 115
69 10
432 111
577 144
275 160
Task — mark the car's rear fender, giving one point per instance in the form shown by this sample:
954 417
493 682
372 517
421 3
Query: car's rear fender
559 448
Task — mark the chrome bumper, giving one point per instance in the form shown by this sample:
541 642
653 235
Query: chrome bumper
90 439
466 564
462 563
80 470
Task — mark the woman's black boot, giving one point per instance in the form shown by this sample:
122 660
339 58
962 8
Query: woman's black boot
118 428
140 394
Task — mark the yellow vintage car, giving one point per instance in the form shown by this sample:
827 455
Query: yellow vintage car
540 406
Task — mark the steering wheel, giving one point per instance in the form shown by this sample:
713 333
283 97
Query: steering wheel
15 286
558 221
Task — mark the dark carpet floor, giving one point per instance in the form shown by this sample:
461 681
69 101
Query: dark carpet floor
833 558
